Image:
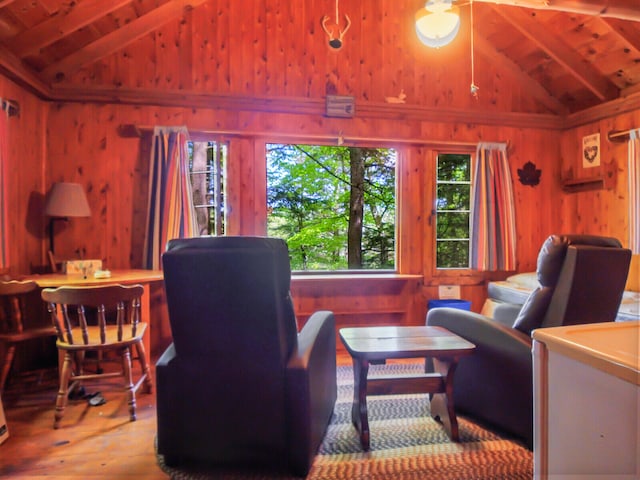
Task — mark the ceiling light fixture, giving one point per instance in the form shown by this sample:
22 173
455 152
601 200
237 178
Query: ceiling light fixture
437 24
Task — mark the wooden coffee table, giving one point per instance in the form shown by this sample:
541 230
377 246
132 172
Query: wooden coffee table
377 344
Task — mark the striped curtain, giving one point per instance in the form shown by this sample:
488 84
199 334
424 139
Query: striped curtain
4 156
493 223
634 190
171 212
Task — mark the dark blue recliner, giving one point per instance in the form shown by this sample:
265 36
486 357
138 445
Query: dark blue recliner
240 385
582 279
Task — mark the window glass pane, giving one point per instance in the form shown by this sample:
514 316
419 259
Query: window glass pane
207 162
453 210
452 167
452 196
453 254
453 226
335 206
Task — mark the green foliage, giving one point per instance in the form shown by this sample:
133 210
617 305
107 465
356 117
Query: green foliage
308 189
452 254
453 211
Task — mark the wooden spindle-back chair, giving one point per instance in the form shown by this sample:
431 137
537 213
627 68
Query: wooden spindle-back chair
69 308
14 327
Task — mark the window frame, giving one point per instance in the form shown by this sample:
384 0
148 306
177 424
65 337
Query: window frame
441 276
220 173
437 211
371 145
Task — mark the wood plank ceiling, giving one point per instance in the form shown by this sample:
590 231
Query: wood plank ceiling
572 55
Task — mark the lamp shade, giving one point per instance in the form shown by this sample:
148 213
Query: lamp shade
67 200
437 24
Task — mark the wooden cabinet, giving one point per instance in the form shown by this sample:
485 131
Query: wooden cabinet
587 402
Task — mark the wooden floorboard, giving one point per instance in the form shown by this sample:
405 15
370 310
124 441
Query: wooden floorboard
92 442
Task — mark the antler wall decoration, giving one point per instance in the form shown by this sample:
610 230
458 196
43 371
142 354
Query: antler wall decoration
335 41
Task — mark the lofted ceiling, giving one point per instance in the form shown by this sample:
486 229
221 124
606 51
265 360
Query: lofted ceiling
572 55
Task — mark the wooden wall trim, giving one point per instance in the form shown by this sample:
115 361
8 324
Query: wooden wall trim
128 130
313 106
603 111
336 278
316 106
13 69
309 106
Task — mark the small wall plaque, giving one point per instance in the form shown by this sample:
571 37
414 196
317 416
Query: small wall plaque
340 106
591 151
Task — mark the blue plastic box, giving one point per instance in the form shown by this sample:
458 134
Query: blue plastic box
450 303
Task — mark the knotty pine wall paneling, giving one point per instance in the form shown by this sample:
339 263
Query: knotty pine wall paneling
276 48
89 149
410 214
25 188
602 211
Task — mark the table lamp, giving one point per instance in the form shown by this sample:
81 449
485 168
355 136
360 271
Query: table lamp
65 200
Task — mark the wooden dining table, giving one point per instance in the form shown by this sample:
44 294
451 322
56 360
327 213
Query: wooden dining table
122 277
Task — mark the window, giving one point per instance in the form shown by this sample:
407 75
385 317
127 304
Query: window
207 162
453 210
334 206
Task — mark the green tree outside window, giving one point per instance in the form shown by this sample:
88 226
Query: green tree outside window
334 206
453 210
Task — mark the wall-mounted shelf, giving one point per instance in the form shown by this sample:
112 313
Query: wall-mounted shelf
602 178
583 184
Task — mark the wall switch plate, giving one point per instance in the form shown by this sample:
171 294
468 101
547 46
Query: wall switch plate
449 291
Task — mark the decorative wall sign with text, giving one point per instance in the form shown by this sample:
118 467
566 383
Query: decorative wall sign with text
591 151
340 106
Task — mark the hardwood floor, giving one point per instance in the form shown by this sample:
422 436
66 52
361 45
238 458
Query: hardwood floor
92 442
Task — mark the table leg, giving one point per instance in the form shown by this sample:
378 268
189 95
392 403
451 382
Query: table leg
359 415
442 402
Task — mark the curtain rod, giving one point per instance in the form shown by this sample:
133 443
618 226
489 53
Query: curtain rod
619 136
131 130
10 106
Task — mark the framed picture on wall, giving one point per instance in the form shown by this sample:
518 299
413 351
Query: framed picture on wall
591 151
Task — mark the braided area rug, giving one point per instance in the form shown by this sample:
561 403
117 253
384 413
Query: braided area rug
406 444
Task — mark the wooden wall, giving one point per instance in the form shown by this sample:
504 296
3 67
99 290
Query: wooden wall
229 59
277 48
25 186
600 211
84 146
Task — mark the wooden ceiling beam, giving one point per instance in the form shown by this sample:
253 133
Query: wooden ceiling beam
626 32
14 69
631 90
534 88
621 9
603 111
59 26
52 7
555 48
119 38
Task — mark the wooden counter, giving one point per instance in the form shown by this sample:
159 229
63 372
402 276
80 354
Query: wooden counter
587 401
